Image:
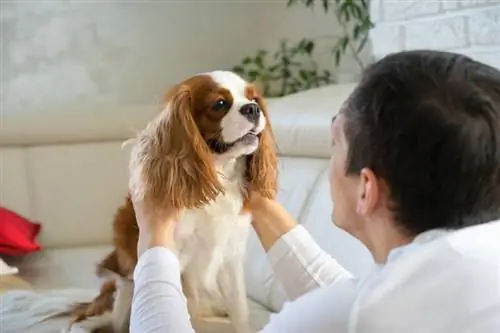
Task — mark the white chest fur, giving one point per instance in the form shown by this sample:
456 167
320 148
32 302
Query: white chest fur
211 242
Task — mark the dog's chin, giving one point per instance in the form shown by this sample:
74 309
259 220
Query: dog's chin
245 145
250 140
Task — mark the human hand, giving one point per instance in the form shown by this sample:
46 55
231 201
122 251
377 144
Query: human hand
156 226
258 203
270 219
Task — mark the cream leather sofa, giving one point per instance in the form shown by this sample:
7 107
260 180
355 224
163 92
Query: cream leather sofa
66 169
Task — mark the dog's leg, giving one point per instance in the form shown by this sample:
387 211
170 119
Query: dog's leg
122 305
101 304
232 286
97 324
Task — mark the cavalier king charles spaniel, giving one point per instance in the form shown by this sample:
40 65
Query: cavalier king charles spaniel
210 145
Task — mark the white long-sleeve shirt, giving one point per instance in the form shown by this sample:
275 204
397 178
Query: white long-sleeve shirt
440 283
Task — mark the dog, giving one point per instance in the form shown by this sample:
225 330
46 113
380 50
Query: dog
211 144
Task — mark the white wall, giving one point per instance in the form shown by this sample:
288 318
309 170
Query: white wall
471 27
60 52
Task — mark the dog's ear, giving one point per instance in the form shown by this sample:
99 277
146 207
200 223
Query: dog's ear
126 237
262 166
171 164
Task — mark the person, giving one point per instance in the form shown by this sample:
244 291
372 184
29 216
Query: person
415 176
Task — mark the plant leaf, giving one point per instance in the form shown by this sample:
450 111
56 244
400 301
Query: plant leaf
238 69
337 57
356 12
326 5
309 47
344 42
262 53
273 68
247 60
355 31
253 75
303 74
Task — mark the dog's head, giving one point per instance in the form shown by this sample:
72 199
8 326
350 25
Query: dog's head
210 117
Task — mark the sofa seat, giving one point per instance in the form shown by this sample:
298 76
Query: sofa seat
67 267
54 273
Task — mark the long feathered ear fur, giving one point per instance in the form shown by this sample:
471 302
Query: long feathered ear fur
171 165
262 168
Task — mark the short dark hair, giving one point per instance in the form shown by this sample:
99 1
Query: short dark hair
428 123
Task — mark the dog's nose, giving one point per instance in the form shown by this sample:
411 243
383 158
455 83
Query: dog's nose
251 111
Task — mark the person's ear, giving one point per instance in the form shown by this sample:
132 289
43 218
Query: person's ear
368 192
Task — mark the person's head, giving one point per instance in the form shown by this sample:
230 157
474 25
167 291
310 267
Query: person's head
417 147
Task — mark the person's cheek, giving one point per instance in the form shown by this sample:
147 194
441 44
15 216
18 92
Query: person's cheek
331 176
330 184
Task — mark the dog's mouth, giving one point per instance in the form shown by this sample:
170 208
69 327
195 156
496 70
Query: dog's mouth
249 137
219 147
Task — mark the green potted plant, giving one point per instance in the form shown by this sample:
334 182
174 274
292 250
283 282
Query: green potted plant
292 67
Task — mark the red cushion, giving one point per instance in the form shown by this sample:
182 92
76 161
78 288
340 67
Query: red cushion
17 234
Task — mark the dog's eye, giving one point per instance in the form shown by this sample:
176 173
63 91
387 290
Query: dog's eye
220 105
255 100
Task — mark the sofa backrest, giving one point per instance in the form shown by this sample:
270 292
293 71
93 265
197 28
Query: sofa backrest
67 170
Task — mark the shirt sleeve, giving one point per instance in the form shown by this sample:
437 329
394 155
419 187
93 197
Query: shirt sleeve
300 265
158 304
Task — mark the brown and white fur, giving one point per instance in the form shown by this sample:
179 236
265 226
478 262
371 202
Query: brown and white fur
210 145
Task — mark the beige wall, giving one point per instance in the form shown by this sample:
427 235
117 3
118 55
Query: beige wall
64 52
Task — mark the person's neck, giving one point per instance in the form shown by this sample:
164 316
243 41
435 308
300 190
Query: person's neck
383 238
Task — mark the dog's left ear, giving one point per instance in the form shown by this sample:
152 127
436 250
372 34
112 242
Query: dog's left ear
262 168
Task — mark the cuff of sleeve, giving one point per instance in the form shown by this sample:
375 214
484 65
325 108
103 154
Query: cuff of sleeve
157 263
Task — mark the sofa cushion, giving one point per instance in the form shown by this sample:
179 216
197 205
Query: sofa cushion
76 190
296 181
72 267
69 124
15 188
301 121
